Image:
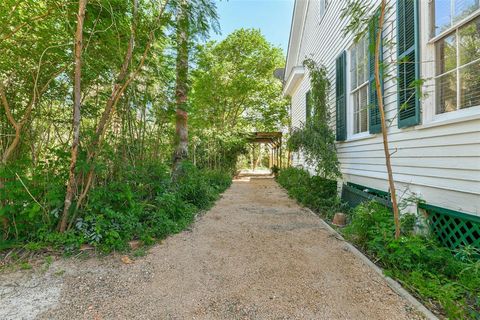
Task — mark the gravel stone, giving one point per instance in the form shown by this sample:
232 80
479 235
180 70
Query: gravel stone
255 255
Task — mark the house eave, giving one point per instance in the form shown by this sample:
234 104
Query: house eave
296 75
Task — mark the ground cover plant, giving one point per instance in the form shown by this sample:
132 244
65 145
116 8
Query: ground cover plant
141 204
316 193
447 282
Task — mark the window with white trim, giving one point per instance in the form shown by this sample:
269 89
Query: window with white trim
447 13
457 79
359 85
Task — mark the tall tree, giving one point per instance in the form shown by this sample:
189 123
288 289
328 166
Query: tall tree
234 87
77 101
194 19
181 90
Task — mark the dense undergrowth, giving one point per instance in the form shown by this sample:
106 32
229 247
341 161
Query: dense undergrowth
141 203
314 192
447 282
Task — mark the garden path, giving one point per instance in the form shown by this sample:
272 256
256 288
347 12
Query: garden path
255 255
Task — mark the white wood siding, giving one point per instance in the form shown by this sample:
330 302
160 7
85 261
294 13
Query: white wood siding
439 162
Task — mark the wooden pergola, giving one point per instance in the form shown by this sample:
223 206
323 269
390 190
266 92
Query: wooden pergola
274 141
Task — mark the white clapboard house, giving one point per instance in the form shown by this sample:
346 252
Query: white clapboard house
435 139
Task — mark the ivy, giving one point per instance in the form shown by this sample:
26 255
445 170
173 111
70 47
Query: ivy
315 138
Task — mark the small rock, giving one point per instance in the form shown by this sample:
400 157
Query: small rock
126 260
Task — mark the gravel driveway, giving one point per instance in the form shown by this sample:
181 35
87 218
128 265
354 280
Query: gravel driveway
255 255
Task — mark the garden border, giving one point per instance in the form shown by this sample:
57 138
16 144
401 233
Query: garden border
394 285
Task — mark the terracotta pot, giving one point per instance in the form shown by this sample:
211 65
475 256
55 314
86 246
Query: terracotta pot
339 220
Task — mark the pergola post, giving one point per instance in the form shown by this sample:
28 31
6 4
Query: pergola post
276 155
280 149
270 163
276 151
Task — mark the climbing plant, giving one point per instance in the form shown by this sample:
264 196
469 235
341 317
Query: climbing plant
315 138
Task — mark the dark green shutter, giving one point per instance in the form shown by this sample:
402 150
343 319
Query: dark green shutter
308 106
374 120
408 63
340 94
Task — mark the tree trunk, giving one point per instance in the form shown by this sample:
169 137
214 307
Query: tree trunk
121 84
181 91
77 93
391 182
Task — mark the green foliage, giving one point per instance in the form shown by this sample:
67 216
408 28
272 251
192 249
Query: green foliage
25 266
200 188
315 138
317 193
141 252
130 193
233 86
431 271
275 170
234 93
217 150
140 203
31 196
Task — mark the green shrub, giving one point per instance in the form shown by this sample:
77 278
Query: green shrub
317 193
193 187
45 183
428 269
218 179
275 170
136 202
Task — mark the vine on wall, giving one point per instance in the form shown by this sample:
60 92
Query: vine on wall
315 138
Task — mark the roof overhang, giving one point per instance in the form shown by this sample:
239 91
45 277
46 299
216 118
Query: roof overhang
294 78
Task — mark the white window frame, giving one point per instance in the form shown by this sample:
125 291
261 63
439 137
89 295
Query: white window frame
429 71
351 135
431 21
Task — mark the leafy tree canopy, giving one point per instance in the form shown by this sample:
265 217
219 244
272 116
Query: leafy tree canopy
233 85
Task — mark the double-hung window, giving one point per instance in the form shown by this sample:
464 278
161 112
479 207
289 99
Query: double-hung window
457 77
359 85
